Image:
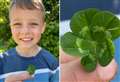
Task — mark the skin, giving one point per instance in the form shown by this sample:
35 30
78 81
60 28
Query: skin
72 71
26 27
18 77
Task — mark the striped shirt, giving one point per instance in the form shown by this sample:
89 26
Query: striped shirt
47 66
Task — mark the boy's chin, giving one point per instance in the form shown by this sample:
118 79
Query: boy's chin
27 46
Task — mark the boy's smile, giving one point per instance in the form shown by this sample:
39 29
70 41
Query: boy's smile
26 26
26 39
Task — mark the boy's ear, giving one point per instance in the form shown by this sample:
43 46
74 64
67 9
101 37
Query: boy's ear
43 28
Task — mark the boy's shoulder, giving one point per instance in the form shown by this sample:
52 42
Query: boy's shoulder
50 59
45 53
7 53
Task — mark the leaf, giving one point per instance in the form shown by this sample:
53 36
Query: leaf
68 44
107 53
113 23
108 21
85 33
88 63
102 19
82 19
78 21
86 46
99 34
115 32
90 13
31 69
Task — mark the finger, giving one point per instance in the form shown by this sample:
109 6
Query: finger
20 77
108 72
19 81
65 58
23 76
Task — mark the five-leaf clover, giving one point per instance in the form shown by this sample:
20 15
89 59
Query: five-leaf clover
91 37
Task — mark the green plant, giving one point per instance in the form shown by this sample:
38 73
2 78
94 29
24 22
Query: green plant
31 69
91 38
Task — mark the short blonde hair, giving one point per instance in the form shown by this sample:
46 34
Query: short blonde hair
28 4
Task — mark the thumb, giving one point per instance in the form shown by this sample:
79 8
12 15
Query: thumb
107 72
65 58
19 81
21 76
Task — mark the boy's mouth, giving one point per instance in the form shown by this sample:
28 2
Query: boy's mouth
26 39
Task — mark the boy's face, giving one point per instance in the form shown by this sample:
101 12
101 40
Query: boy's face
26 26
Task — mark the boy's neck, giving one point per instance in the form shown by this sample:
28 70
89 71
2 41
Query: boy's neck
28 52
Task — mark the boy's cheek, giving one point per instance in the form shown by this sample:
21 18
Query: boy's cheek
14 32
38 36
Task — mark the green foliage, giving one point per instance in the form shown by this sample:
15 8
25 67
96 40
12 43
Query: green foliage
89 63
66 42
91 38
50 38
52 9
31 69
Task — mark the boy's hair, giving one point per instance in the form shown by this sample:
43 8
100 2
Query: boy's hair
29 4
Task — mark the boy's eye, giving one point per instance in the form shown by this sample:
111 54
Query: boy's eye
16 25
34 24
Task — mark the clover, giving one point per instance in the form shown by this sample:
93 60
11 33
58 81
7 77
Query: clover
91 38
31 69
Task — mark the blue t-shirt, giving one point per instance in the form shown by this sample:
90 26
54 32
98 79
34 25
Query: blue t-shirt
117 58
47 66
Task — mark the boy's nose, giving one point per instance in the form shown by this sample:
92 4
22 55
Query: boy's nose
25 29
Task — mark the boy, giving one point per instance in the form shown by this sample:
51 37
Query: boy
27 24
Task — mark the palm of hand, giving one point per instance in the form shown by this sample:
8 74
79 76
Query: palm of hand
72 71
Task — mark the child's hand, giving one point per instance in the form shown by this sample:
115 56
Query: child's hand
72 71
18 77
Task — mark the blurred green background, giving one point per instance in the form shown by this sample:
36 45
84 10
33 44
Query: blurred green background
50 38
